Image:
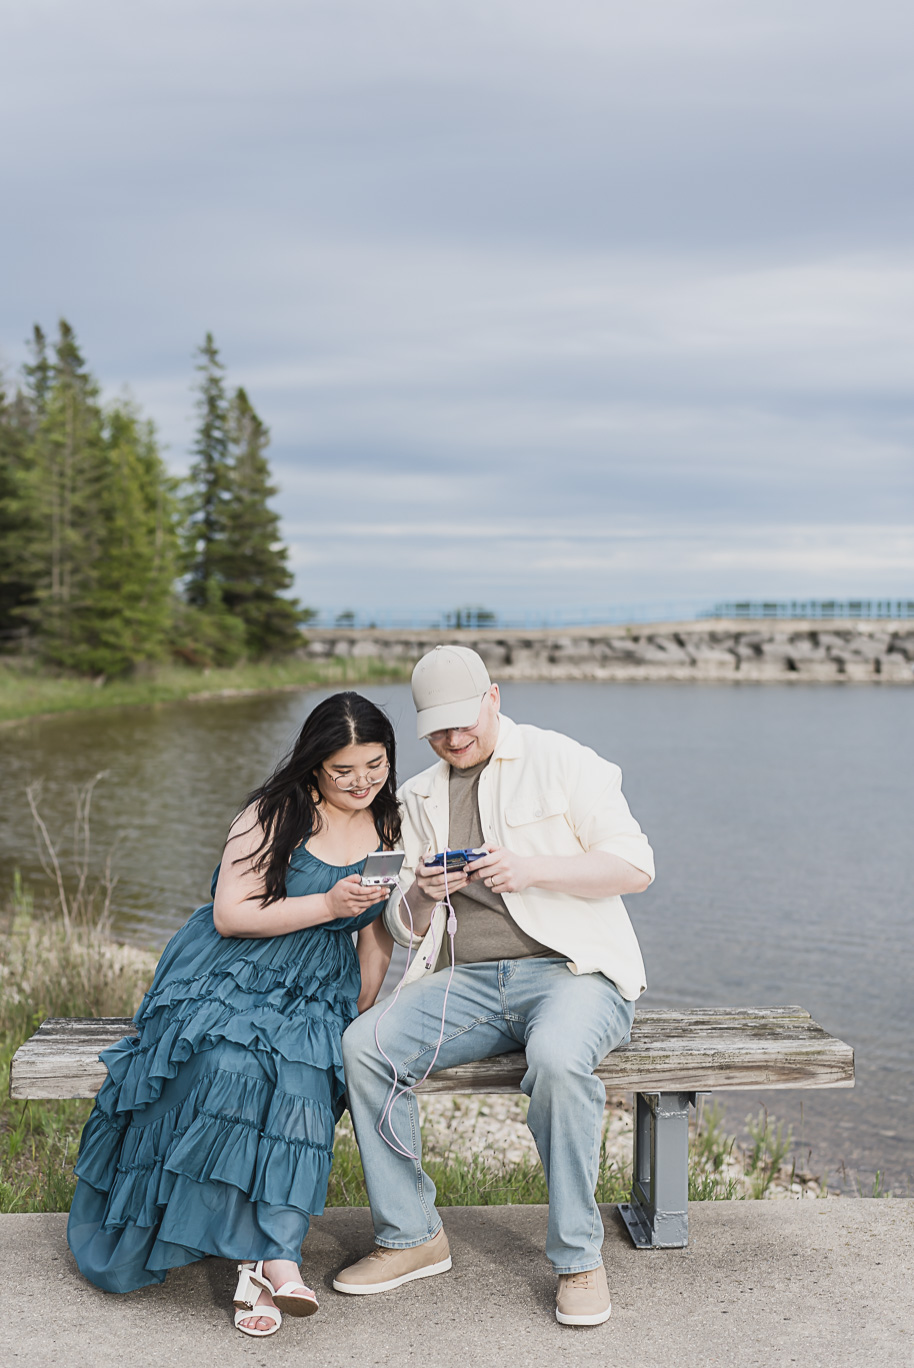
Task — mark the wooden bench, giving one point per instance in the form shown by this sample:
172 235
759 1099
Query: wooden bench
672 1056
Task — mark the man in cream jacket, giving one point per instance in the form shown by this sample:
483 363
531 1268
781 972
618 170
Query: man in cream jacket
546 962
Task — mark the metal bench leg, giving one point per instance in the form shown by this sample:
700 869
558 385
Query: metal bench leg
657 1216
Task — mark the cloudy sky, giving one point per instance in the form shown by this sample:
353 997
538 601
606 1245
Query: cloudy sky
549 304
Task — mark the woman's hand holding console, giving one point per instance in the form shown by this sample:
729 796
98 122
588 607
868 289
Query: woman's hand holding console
238 909
349 898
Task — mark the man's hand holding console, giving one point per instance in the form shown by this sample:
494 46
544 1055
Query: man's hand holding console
596 874
546 962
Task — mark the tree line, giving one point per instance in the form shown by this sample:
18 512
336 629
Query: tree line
108 561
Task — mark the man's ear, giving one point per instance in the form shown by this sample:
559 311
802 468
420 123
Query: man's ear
496 697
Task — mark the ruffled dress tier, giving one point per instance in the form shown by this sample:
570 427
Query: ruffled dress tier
213 1132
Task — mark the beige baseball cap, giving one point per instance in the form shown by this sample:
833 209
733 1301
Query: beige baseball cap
448 687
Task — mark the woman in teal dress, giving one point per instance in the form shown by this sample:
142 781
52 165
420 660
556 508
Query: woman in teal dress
213 1132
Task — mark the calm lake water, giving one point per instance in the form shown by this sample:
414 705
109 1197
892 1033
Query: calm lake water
781 819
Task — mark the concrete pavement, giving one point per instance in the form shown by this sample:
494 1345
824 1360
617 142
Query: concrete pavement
811 1283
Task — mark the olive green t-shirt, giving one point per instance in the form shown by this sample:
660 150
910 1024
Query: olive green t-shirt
485 928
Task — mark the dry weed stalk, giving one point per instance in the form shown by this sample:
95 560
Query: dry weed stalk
80 906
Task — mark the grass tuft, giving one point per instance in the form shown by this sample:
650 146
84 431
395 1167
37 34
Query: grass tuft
771 1144
56 961
467 1180
711 1156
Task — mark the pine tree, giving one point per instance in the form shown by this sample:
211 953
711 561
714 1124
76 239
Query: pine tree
206 631
60 490
251 560
129 618
210 477
20 414
15 589
39 373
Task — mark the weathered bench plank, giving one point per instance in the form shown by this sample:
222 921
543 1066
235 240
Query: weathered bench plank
671 1050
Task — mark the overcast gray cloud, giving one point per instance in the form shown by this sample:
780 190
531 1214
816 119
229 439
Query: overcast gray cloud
545 303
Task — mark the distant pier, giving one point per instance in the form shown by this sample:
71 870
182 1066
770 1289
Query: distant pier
737 650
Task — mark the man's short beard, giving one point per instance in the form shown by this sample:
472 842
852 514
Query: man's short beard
470 761
464 764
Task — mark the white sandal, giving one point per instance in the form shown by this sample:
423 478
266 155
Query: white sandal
251 1282
293 1305
248 1312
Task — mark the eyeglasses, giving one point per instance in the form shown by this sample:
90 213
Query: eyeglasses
446 731
371 779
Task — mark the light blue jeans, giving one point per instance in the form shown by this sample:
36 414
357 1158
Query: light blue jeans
567 1023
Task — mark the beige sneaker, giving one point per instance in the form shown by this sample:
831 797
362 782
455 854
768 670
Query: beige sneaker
384 1269
583 1298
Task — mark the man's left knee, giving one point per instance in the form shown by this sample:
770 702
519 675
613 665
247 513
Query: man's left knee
552 1066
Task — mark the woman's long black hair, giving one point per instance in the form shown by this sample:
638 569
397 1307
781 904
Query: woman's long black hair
287 806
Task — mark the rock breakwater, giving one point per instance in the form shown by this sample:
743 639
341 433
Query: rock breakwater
764 651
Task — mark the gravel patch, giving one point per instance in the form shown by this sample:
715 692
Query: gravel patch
495 1128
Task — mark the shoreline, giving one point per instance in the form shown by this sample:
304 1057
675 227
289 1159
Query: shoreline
26 693
764 651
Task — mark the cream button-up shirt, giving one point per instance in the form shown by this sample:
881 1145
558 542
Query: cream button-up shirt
541 794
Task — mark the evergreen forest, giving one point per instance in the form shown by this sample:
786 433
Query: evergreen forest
108 563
